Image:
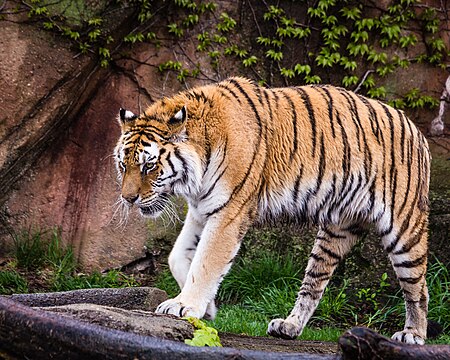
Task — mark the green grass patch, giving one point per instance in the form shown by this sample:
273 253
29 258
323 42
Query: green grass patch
238 319
166 282
111 279
40 258
12 282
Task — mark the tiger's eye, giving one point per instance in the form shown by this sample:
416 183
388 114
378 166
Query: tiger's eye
147 167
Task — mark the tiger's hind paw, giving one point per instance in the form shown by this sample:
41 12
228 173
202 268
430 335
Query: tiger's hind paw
408 337
284 329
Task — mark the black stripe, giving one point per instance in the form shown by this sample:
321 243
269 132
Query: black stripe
413 241
297 186
355 116
393 155
408 183
350 193
169 161
317 257
412 263
312 119
231 91
347 155
375 126
294 124
323 90
210 190
331 234
411 280
402 119
391 220
322 164
330 253
309 293
316 275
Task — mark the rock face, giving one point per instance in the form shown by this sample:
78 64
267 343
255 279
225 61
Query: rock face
57 134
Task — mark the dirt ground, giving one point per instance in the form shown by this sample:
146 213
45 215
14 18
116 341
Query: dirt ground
277 345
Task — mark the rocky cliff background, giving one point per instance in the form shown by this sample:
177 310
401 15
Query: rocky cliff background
66 69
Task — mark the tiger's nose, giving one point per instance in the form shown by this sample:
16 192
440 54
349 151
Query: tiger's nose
131 199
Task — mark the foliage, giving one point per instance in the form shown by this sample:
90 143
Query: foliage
255 292
12 282
249 278
41 255
303 43
203 335
111 279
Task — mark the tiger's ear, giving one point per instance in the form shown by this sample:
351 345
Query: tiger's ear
179 118
125 116
177 125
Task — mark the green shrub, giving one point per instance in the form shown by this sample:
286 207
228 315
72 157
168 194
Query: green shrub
249 279
12 283
29 250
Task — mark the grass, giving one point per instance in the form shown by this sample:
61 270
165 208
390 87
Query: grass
255 292
12 282
42 263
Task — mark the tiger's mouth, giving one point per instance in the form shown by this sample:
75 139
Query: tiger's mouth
149 211
155 209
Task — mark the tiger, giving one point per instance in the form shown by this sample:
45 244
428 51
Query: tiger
242 154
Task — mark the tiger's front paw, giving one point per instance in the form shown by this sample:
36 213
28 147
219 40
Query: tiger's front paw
178 308
408 337
284 329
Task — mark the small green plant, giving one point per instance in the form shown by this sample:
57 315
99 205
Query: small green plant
12 282
203 335
29 250
112 279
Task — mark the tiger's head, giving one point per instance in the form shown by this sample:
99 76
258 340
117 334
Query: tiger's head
154 158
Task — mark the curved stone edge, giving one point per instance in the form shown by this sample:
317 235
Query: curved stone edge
365 344
36 334
133 298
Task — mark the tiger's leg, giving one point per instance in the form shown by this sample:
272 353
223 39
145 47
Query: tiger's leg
219 244
331 245
183 252
407 249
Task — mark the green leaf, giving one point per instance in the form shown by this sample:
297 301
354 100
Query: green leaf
302 69
203 335
288 73
48 25
313 79
348 81
351 13
227 23
252 60
274 55
95 21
